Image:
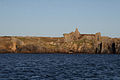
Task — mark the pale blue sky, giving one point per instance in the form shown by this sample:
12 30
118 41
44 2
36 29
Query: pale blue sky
55 17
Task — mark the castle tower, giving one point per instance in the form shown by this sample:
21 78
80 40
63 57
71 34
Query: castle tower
76 34
76 31
98 36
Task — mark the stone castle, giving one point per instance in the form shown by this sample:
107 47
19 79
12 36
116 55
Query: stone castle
74 36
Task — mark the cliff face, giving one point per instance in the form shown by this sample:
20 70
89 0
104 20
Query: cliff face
58 45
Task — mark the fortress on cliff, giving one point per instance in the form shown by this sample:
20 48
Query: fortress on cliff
74 36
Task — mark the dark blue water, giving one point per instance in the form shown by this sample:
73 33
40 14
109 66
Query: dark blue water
59 67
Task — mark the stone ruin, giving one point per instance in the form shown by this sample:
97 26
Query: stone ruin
74 36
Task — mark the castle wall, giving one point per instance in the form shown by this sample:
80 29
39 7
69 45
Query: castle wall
67 37
89 37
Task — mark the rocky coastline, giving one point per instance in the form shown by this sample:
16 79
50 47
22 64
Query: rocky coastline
73 42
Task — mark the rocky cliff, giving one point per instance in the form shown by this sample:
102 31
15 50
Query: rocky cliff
58 45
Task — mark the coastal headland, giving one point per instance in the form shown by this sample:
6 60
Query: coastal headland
73 42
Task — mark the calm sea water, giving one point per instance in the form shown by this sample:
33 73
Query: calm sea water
59 67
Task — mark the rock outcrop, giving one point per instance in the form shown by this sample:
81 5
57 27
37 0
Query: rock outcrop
70 43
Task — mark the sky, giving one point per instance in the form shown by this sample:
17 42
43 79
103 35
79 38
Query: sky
53 18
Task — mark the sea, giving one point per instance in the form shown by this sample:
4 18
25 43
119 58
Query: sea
59 66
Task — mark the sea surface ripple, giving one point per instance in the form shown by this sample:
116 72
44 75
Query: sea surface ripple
59 67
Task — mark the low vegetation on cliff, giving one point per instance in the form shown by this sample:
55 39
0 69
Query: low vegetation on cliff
73 42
